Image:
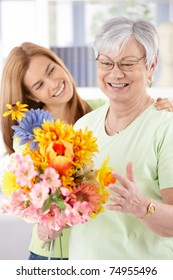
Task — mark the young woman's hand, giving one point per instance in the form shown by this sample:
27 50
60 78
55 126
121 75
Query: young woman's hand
46 234
164 103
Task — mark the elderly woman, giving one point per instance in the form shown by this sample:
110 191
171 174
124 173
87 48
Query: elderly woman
138 220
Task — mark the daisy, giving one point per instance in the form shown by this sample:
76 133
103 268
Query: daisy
16 111
25 128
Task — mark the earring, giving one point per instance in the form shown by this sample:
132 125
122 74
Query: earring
150 82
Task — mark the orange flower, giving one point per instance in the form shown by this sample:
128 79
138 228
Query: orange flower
86 191
60 155
109 179
104 174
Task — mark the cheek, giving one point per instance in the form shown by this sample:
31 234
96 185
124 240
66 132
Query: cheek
140 76
100 77
40 94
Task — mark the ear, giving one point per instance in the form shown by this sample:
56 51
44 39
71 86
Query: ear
153 66
151 71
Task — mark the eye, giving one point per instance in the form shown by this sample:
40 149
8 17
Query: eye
51 71
106 63
128 63
39 86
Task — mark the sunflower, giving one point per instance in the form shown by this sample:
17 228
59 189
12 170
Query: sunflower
16 111
84 146
39 157
53 131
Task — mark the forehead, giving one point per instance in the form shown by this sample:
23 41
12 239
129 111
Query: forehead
131 48
37 68
38 62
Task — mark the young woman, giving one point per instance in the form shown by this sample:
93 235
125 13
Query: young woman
34 75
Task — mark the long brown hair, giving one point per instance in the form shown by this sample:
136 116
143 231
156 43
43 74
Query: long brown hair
13 88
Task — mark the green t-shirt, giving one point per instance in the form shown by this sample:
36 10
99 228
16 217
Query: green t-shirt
148 143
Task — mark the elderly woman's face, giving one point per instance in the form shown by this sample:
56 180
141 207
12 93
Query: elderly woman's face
123 76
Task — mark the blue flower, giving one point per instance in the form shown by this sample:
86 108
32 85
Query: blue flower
24 129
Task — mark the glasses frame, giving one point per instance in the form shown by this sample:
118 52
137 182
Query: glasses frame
119 63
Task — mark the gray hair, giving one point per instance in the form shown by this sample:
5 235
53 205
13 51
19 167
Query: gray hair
115 33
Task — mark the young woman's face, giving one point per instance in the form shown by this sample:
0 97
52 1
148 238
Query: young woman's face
48 82
127 80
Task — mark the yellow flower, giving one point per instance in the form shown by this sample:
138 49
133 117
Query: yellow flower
9 183
39 157
99 209
84 146
104 174
16 111
53 132
104 177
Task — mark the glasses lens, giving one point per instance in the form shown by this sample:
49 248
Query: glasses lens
105 64
125 64
128 64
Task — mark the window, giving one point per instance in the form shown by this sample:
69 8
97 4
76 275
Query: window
68 27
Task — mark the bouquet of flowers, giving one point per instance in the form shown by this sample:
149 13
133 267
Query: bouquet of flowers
53 180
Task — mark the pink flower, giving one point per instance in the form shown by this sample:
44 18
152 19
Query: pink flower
65 191
39 193
51 177
79 213
23 169
53 218
21 207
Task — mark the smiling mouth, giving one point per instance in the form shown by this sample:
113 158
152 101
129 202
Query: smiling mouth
122 85
59 91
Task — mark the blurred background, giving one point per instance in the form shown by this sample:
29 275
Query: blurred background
68 28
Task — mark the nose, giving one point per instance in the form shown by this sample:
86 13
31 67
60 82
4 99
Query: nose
51 84
117 71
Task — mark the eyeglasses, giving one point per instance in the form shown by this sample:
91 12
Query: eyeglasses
125 64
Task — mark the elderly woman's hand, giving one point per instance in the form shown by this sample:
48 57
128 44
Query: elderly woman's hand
127 198
164 103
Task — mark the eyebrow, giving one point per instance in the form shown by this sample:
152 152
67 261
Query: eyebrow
126 57
47 69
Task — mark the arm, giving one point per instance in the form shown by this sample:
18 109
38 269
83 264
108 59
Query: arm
127 199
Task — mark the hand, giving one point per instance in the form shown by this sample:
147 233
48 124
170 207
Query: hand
127 199
164 103
46 234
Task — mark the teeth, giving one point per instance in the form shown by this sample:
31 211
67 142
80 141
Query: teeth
60 90
118 85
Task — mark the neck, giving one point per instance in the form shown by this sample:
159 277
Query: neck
59 112
118 118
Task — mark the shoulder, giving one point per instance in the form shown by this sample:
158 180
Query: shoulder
92 117
161 122
96 103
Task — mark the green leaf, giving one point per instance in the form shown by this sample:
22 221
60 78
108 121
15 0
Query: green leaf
47 204
59 202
